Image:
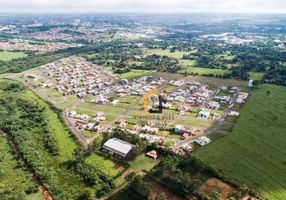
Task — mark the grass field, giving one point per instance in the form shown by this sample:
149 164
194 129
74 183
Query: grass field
166 52
10 55
102 164
142 163
134 73
256 75
204 71
188 63
255 152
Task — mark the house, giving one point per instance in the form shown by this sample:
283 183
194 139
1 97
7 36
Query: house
233 113
224 99
148 129
204 114
202 141
122 124
136 128
213 105
152 154
123 81
90 126
118 146
182 113
71 114
178 128
185 136
216 116
114 102
187 147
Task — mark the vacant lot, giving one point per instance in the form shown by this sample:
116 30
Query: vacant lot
216 185
255 152
134 73
9 55
106 166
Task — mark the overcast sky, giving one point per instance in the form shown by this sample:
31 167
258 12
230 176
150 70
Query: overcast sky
247 6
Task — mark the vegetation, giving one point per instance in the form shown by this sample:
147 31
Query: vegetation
38 132
15 183
10 55
254 153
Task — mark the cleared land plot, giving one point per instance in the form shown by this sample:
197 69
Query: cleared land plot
106 166
142 163
100 107
216 185
134 73
255 152
10 55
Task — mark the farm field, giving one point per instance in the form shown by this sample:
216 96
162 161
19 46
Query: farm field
10 55
254 153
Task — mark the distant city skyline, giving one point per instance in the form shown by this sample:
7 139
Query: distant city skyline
85 6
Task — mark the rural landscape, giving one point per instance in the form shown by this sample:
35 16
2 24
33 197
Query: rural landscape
134 106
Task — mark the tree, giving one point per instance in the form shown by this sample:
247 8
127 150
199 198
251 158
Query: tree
161 196
140 186
87 194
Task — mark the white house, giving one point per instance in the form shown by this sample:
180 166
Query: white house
202 141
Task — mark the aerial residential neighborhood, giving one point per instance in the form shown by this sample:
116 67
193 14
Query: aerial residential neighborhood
142 100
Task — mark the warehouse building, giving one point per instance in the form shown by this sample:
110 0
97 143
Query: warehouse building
118 146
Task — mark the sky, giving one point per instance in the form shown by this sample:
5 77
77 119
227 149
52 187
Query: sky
86 6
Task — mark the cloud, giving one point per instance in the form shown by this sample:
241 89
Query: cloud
256 6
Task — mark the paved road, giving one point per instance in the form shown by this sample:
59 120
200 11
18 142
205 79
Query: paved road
85 142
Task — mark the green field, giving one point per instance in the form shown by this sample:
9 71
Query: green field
134 73
188 63
204 71
255 152
166 52
102 164
255 75
142 163
10 55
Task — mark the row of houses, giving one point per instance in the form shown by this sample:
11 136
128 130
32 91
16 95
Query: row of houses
86 122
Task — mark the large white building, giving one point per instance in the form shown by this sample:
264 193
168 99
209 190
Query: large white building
118 146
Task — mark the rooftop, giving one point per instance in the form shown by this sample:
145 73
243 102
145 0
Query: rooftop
118 146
